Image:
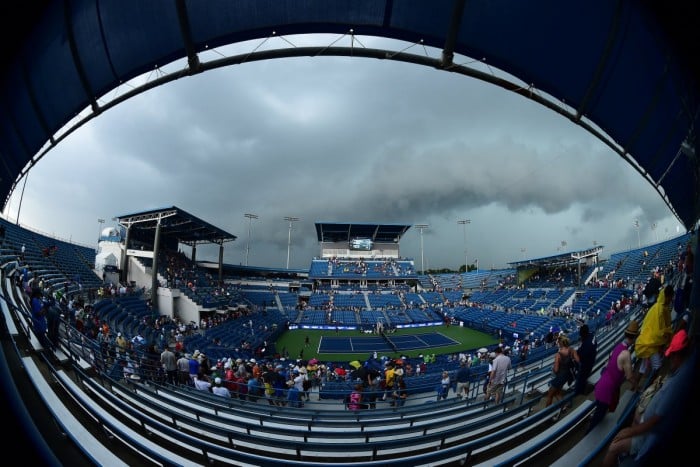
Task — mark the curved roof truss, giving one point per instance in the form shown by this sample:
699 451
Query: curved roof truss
621 64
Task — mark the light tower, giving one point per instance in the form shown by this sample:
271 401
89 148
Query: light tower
464 223
250 217
421 227
289 219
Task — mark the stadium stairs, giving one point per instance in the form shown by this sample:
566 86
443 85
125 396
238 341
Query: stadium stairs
109 421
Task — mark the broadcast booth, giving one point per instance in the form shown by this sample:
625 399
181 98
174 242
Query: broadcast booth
361 256
571 264
376 241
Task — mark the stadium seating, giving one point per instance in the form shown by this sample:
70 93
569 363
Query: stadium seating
166 424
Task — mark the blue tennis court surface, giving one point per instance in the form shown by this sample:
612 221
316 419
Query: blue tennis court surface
379 344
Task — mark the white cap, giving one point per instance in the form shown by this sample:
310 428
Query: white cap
217 380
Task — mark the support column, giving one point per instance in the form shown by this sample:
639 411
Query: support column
124 262
221 264
154 271
694 326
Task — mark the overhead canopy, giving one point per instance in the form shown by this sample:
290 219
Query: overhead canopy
378 233
624 70
176 223
563 258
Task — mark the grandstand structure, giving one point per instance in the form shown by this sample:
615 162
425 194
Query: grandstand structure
84 373
68 400
570 268
364 255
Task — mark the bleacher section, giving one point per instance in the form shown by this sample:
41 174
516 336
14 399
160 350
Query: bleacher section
54 263
148 421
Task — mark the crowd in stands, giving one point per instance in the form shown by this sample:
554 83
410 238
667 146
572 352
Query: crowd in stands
242 370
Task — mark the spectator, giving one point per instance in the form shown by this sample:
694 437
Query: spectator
183 369
169 362
241 387
618 369
686 283
240 367
53 320
204 364
138 341
194 365
444 387
128 370
371 386
220 390
524 351
151 368
254 389
268 379
462 378
202 382
497 376
400 393
39 323
549 337
355 398
651 289
122 343
294 395
586 352
656 331
389 374
298 380
563 361
646 438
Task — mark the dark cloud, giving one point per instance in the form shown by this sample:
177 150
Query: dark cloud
339 139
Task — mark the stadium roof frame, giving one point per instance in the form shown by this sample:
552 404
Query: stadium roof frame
344 232
571 257
625 71
174 222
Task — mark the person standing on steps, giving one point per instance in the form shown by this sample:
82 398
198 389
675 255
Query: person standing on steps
587 352
618 369
563 360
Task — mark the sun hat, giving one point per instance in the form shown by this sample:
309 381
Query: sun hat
679 342
632 328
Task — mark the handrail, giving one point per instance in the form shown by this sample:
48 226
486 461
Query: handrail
621 421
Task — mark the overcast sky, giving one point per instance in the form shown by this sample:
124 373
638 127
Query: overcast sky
347 140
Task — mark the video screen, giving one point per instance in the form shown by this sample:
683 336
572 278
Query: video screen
364 244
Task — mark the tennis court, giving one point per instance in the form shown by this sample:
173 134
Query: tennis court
380 344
